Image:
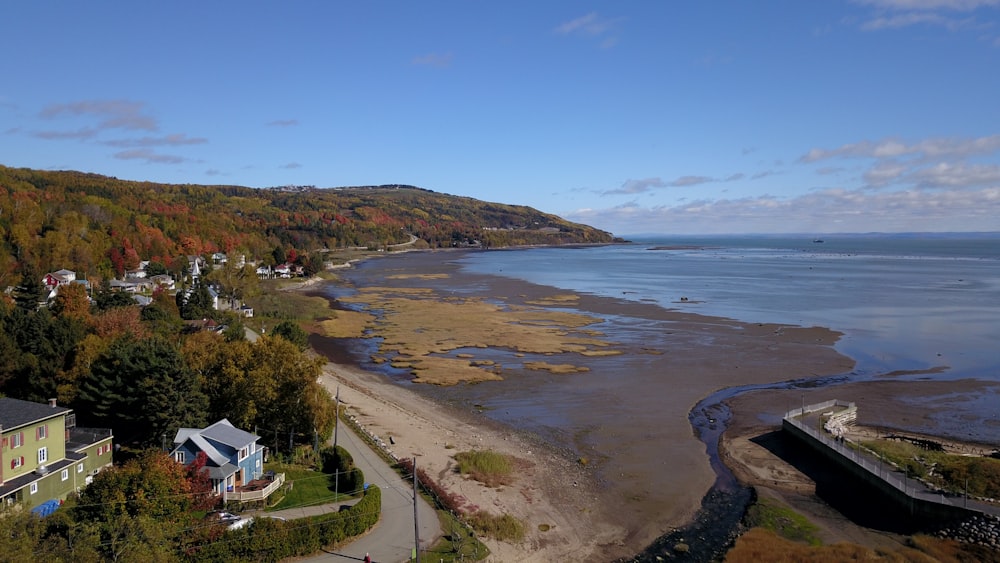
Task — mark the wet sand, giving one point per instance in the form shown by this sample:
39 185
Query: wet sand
623 423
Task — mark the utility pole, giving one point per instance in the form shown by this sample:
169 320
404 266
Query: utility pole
416 528
336 453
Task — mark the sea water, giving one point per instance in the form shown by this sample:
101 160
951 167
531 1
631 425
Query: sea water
903 303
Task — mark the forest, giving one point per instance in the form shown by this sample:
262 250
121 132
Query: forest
146 369
100 227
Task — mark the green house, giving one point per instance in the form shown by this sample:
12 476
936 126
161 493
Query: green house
43 454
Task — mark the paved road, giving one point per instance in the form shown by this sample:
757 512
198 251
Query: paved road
391 540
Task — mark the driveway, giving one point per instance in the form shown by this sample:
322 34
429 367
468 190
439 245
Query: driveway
391 540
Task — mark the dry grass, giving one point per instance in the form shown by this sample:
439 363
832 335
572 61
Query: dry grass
760 544
486 466
556 368
346 324
419 327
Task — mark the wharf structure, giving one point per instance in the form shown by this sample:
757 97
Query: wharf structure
913 503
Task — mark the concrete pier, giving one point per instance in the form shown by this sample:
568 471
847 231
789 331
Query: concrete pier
924 507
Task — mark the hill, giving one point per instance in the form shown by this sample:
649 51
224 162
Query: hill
102 226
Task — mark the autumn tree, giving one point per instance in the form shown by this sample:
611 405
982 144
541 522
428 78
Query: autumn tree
72 301
139 508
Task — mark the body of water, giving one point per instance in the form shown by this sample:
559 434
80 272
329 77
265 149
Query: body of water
907 308
902 303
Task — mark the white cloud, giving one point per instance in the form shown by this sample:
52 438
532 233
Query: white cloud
176 139
895 14
892 148
594 26
149 156
957 5
113 114
830 210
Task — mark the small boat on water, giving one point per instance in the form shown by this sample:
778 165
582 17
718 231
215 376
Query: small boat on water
817 240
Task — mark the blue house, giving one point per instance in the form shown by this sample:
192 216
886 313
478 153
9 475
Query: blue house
234 459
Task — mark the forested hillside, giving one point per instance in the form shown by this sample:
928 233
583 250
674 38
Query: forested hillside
102 226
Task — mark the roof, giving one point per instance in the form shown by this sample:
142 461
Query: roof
223 432
15 413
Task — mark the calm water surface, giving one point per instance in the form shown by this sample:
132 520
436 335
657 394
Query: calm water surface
902 304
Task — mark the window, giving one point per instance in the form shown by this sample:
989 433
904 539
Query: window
16 462
42 432
244 453
79 468
33 488
16 440
179 456
43 455
65 474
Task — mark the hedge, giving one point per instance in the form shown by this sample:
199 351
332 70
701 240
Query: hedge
268 539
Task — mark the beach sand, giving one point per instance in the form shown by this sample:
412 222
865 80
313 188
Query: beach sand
648 473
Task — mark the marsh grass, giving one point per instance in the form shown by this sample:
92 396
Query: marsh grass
488 467
424 326
503 528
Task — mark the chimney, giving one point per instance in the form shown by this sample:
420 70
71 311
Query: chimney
52 403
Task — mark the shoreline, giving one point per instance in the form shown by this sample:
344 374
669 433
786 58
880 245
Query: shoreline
580 522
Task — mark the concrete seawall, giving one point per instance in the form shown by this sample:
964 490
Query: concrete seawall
913 503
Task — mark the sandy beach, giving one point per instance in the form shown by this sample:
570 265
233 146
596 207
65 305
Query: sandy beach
606 488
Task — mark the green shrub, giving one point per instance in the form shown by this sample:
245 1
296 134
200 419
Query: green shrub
782 520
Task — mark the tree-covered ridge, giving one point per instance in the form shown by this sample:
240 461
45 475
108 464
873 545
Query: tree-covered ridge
100 225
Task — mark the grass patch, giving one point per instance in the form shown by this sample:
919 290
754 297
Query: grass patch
783 521
304 487
488 467
503 528
948 471
458 543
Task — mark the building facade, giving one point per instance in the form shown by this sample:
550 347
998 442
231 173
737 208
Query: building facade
44 455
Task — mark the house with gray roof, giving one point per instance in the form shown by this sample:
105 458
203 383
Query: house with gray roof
233 458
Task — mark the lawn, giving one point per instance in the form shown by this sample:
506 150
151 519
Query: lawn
305 486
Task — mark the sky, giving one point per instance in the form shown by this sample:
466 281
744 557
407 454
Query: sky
681 117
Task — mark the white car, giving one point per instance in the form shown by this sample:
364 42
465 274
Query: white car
240 522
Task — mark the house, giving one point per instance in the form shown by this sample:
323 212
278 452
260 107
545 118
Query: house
44 456
219 258
234 459
53 280
164 281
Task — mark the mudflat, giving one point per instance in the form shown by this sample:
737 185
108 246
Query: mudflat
590 394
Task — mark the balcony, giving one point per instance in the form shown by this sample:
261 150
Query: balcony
258 489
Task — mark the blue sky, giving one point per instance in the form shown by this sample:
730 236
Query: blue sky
635 117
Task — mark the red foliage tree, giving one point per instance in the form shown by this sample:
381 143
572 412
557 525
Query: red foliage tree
202 496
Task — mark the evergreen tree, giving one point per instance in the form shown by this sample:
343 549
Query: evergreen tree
143 389
106 299
31 291
292 332
196 303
